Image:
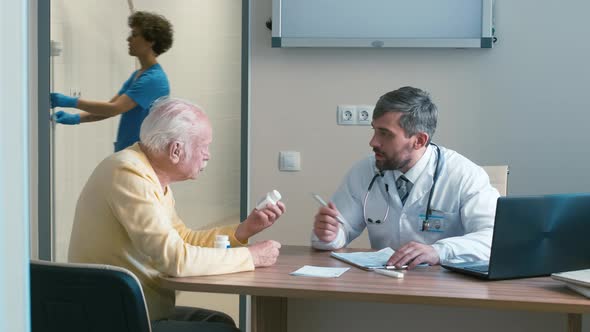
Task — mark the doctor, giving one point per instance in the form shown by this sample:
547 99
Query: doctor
430 204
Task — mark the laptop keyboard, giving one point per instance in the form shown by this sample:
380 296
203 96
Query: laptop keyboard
482 268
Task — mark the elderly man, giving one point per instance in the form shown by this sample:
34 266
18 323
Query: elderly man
128 208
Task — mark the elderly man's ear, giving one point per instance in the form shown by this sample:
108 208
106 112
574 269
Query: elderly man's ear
175 152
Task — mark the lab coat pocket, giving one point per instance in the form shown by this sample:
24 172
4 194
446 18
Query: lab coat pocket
380 231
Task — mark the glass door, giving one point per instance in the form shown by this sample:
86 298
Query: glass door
203 66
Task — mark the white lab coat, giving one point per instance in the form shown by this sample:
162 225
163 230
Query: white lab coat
463 196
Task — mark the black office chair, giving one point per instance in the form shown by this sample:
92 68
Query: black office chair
69 297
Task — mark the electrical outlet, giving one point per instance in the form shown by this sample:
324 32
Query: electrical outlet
346 115
364 114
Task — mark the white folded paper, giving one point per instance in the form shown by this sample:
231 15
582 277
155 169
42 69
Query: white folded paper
322 272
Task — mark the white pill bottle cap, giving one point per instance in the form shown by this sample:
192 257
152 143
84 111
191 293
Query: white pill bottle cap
221 237
272 197
275 195
221 241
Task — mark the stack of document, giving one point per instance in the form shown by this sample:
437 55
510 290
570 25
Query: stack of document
578 281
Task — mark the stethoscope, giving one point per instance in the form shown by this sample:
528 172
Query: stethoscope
425 221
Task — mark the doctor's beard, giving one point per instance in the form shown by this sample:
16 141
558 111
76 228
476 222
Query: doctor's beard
390 163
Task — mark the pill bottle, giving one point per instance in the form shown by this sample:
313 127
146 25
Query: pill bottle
272 197
222 241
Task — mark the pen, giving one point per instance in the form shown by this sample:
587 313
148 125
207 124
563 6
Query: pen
322 202
389 273
392 267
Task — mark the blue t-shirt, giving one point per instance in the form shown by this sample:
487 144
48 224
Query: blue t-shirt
144 90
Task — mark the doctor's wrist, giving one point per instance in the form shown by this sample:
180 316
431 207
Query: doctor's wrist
442 252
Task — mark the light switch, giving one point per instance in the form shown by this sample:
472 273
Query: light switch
289 161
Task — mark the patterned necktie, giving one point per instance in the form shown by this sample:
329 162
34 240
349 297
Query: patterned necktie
403 186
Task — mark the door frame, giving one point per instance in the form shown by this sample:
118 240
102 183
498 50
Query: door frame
44 197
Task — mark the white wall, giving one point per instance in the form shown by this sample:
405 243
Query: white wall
522 103
203 66
14 163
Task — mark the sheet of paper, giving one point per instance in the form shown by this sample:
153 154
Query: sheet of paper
369 259
318 271
580 277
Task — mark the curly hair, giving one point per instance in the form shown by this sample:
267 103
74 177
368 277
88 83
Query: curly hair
154 28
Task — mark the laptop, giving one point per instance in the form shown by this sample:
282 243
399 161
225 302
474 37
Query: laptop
535 236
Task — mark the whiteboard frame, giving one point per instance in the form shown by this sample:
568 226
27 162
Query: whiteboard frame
486 40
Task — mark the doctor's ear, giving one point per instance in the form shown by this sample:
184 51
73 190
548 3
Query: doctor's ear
421 140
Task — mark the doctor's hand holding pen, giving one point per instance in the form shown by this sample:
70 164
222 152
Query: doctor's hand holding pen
327 222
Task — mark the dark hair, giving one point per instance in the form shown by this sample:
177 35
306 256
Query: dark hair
154 28
420 113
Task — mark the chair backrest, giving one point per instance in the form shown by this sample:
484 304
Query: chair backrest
498 177
69 297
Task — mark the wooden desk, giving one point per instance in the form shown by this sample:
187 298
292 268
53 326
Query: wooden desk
271 287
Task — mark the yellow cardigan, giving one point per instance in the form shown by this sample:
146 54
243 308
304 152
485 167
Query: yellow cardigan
124 218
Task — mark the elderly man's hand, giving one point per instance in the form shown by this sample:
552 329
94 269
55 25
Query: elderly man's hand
412 254
264 253
258 221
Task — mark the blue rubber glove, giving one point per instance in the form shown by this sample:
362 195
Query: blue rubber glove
66 118
59 100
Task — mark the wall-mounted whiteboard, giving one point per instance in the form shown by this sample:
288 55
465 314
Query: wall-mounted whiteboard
382 23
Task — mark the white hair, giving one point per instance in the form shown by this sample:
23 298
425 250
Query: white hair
172 120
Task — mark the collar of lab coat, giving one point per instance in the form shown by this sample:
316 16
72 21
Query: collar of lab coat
422 174
414 173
